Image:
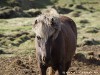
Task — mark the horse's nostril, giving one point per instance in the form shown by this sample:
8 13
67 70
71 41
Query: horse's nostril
44 59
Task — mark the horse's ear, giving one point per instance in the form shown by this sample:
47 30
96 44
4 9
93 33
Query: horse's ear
34 25
35 22
56 24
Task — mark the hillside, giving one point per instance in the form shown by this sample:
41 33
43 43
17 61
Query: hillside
32 8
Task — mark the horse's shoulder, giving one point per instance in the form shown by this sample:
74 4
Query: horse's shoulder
69 22
65 19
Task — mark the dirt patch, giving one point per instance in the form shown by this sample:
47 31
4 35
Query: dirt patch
17 66
81 64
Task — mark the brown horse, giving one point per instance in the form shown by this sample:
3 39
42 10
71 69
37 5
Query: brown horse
55 42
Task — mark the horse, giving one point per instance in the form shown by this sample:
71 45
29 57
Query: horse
55 42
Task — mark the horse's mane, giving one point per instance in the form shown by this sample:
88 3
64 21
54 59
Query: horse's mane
46 18
50 12
47 15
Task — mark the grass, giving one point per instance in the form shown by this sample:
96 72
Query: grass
43 3
19 47
86 3
88 25
10 26
18 38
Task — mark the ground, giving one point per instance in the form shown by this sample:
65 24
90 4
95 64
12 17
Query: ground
82 64
17 49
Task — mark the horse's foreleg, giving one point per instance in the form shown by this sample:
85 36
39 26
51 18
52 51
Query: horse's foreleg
42 69
61 71
51 71
57 73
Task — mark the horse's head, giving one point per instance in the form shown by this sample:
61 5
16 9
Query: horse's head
46 28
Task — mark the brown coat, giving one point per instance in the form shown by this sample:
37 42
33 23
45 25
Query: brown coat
63 48
65 45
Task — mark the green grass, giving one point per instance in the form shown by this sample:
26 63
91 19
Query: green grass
87 30
17 43
44 3
87 3
10 26
17 39
24 44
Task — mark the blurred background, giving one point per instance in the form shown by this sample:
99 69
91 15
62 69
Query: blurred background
17 50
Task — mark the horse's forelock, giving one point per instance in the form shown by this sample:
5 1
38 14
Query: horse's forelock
47 27
50 12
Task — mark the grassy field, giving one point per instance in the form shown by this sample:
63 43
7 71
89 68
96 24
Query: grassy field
18 33
16 36
17 48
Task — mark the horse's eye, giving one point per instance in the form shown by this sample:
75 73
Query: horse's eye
51 36
38 37
36 22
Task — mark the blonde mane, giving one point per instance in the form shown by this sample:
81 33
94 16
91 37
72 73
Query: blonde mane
44 27
50 12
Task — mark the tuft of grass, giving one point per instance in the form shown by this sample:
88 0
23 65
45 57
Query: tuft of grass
76 14
92 30
5 42
84 21
1 51
26 48
11 26
90 42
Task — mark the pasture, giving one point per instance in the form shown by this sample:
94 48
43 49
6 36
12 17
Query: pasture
17 50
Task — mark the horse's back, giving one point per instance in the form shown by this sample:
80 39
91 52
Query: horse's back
69 32
68 21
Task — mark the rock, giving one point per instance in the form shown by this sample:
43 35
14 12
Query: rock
99 55
80 7
2 52
64 10
12 13
76 14
33 12
91 53
84 21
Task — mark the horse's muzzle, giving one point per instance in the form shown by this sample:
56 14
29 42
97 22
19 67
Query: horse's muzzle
45 60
